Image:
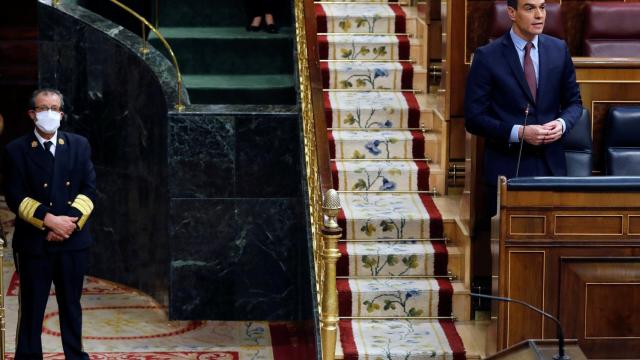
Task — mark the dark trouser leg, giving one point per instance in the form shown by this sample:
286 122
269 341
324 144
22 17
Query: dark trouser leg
35 284
259 7
68 276
253 8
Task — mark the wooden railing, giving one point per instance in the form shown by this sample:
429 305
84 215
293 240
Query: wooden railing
324 229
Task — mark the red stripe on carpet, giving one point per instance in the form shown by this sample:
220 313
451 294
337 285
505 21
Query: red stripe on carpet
435 218
414 109
349 348
344 297
423 175
281 342
335 175
418 145
328 111
441 258
445 302
323 47
342 266
407 76
321 19
455 342
404 48
401 18
342 222
332 145
326 74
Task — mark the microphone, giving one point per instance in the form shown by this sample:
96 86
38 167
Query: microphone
561 355
526 116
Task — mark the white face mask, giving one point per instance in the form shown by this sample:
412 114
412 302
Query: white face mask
48 121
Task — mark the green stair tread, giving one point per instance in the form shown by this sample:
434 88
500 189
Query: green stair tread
238 81
219 33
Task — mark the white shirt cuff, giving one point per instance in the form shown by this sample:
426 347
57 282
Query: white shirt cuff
513 138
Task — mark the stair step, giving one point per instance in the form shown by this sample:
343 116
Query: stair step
383 144
398 175
240 89
195 47
394 297
389 258
372 109
364 47
358 18
399 339
367 75
388 216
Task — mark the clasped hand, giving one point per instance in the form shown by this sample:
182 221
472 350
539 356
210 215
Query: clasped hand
60 227
542 134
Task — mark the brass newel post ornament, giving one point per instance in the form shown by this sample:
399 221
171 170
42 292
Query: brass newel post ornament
331 233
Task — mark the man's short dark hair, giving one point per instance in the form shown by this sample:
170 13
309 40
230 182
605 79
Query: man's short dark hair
46 91
512 3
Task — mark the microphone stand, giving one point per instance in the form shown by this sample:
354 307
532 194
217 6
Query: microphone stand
561 355
526 116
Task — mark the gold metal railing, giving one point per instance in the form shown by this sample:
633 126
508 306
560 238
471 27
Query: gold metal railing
144 49
325 231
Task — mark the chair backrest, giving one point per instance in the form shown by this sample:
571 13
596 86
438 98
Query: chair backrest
500 22
612 29
622 141
578 148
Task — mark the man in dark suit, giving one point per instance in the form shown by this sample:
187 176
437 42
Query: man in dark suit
50 186
523 74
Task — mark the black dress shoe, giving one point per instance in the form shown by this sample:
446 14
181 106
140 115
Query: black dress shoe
253 28
271 29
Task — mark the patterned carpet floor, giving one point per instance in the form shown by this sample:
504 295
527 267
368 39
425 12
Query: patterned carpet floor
123 323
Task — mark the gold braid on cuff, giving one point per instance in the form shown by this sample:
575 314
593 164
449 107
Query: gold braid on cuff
85 206
26 211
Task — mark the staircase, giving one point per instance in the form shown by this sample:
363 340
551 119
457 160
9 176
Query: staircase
221 62
403 274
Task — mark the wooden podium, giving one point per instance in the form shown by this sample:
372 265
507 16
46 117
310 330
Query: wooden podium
539 350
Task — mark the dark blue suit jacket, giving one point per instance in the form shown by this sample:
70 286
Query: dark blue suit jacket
28 169
497 96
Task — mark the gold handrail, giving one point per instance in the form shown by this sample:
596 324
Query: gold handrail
179 106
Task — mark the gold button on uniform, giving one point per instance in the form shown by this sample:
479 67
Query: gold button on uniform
45 184
69 202
50 204
68 183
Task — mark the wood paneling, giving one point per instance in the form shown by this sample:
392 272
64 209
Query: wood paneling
527 225
526 268
588 225
599 299
591 281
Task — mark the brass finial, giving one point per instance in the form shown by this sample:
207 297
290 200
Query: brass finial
331 207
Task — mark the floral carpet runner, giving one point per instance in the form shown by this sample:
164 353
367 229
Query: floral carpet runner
395 300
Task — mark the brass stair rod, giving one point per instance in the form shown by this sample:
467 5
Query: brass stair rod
331 233
179 106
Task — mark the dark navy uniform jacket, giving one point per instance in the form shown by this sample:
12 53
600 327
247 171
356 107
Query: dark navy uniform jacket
36 185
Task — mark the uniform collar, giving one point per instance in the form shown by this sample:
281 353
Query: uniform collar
41 140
